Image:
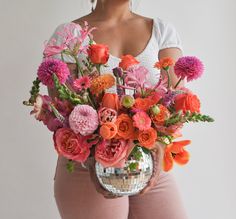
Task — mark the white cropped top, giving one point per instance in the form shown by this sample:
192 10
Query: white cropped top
164 35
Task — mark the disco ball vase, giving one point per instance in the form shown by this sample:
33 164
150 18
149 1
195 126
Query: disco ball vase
130 179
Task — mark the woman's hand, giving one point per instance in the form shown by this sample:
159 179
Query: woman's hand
157 155
90 163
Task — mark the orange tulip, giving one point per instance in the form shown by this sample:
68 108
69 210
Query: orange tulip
175 152
111 100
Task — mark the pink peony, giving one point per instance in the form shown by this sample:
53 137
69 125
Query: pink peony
107 115
142 121
189 67
50 66
113 153
70 145
83 119
82 83
137 77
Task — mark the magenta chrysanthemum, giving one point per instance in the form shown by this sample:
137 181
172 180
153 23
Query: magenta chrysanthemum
83 119
50 66
189 67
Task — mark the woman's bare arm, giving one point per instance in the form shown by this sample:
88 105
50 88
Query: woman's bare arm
175 54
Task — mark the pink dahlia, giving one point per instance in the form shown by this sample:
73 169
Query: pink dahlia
189 67
113 153
142 121
83 119
82 83
107 115
50 66
71 145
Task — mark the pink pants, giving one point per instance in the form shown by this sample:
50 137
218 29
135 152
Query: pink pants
76 198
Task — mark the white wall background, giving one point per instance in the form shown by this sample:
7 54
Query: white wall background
28 159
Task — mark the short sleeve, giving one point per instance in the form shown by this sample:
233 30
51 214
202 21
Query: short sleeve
56 39
168 35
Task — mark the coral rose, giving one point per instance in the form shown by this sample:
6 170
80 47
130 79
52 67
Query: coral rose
127 61
125 128
147 138
108 130
111 100
69 145
113 153
98 53
187 102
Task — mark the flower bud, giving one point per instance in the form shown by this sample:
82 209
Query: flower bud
155 110
127 101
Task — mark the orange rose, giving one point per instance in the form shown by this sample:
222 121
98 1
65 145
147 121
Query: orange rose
127 61
143 103
187 102
111 100
162 116
147 138
108 130
98 53
125 128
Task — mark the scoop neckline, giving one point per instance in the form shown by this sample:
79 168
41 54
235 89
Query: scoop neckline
145 48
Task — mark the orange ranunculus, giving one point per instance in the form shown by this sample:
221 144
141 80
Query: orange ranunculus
143 103
175 152
111 100
98 53
162 116
108 130
127 61
125 128
102 83
187 102
164 63
147 138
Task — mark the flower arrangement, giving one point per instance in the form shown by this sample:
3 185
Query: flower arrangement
86 120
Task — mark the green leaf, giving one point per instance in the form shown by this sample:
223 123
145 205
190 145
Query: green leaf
70 166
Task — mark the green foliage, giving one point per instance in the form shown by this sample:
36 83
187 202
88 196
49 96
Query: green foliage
187 117
133 166
70 166
65 93
33 92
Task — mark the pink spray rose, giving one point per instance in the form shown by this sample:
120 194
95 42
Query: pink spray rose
107 115
113 153
71 145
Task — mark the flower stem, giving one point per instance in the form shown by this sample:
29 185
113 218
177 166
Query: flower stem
177 83
169 79
79 69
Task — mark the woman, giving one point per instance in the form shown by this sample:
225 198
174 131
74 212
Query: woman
78 195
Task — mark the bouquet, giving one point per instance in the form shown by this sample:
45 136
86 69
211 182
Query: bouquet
113 127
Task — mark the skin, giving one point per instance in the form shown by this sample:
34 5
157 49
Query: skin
115 22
